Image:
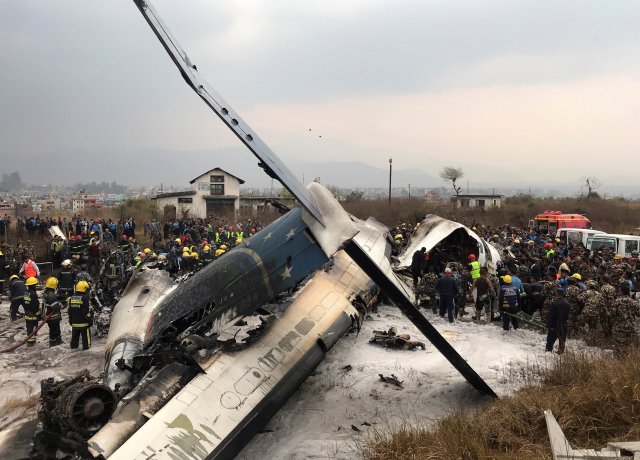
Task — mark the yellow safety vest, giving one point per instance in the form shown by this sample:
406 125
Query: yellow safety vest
475 269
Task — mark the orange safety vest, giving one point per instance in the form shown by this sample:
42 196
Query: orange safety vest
29 269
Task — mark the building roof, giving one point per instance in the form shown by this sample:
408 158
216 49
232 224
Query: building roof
216 169
170 194
480 195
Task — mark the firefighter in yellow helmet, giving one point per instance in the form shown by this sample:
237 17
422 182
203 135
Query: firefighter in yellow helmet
219 252
32 314
80 316
51 305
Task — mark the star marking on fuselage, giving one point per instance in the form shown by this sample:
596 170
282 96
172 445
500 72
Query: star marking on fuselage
291 233
286 273
268 236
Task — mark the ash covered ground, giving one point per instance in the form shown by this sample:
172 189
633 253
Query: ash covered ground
345 391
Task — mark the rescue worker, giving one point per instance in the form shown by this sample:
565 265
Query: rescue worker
508 302
484 294
474 267
17 290
93 257
417 265
447 288
32 313
557 321
207 255
80 316
29 268
51 304
66 278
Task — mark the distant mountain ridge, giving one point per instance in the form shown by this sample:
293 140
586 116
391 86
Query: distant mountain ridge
177 168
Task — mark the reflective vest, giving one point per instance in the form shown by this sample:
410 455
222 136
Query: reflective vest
29 269
31 306
475 269
550 253
78 310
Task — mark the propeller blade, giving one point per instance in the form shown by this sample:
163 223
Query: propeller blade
269 161
390 286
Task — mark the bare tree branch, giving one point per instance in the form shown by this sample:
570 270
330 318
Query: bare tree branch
452 174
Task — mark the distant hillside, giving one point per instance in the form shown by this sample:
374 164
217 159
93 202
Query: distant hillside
177 168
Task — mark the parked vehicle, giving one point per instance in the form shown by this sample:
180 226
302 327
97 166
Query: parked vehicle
551 221
576 235
625 245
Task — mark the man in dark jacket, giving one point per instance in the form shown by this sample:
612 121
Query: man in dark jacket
17 290
447 287
51 305
31 309
508 302
66 279
80 316
557 321
417 265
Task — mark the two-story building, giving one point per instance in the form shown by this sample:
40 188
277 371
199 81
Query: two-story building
214 193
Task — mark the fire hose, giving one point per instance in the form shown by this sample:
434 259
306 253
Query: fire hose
34 332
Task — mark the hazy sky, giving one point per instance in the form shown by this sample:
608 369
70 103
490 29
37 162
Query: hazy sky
543 90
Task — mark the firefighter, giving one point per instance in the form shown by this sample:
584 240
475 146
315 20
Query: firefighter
80 316
31 308
207 255
17 290
66 279
51 304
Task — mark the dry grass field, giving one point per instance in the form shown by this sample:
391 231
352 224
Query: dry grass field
595 399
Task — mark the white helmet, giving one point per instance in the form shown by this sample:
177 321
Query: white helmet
66 263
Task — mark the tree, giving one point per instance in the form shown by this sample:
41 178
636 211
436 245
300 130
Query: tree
449 173
592 183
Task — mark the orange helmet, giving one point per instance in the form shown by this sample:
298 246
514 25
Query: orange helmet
471 257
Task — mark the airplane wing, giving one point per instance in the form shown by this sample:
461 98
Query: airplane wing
269 161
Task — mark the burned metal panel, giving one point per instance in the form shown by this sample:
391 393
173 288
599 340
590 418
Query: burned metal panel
434 230
218 412
272 261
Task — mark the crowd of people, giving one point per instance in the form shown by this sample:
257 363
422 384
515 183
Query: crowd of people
571 289
574 290
82 257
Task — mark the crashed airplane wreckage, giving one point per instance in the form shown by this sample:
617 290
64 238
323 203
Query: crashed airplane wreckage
169 390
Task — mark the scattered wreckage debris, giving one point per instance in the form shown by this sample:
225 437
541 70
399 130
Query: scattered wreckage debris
562 450
392 380
391 339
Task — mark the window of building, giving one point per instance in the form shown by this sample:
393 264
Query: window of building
185 200
203 186
216 179
217 189
495 202
464 203
480 203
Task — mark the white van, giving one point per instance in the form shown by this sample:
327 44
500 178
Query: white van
576 235
621 244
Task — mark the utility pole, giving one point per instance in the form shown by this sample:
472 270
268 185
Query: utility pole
409 191
389 181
